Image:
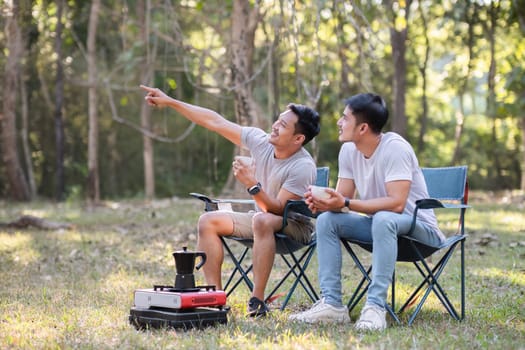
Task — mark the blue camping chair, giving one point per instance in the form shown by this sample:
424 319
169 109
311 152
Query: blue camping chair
448 189
295 255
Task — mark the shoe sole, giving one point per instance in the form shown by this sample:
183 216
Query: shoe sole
369 329
323 320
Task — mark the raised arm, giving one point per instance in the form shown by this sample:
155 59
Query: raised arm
204 117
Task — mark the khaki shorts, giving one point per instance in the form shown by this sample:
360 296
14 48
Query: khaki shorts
298 228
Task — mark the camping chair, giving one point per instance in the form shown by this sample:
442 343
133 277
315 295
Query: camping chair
447 188
287 248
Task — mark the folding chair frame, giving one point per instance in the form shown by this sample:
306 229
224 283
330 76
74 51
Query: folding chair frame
284 246
410 250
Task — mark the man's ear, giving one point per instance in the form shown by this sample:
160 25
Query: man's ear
299 138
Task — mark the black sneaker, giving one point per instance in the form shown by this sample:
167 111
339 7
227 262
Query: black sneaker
257 308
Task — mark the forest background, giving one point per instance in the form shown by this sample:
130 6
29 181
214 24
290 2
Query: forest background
74 124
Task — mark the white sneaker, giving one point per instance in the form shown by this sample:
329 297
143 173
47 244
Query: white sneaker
322 312
373 318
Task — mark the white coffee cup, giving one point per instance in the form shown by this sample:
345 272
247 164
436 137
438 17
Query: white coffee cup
319 192
244 160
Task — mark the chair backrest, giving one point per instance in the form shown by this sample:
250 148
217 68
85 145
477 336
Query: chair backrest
447 183
323 176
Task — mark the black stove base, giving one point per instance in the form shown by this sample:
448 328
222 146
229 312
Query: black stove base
200 317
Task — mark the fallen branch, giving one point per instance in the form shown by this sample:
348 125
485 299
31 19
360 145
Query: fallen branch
28 220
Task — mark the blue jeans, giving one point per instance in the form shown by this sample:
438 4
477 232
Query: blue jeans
382 230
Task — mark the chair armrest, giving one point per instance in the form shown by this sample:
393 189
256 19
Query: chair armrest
213 204
428 203
432 203
296 206
210 204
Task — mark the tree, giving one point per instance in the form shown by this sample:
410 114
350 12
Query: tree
17 184
244 21
93 190
399 15
470 19
516 77
143 14
60 186
423 70
495 172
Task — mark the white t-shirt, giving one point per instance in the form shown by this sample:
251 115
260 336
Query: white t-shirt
394 159
294 174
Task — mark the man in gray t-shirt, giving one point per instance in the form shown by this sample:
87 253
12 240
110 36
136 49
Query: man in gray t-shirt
282 170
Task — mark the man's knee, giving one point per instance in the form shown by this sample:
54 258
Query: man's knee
208 223
325 220
384 222
263 224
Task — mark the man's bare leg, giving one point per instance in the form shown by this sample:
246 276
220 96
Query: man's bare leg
264 227
211 226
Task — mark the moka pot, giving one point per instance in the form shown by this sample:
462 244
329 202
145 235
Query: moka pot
185 264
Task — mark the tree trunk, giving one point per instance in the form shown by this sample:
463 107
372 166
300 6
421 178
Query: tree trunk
244 23
495 172
423 122
522 124
460 118
59 105
114 159
17 185
342 49
93 185
24 135
398 37
521 20
143 12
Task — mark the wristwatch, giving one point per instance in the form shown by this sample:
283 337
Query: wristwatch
346 208
254 189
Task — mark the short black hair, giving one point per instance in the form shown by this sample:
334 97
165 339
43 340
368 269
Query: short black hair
369 108
308 121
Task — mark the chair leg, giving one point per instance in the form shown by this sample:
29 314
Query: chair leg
359 292
309 289
238 268
363 285
393 294
431 277
462 247
300 277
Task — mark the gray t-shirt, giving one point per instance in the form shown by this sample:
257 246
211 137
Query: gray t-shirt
394 159
294 174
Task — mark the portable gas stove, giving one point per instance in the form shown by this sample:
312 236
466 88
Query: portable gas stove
165 306
181 306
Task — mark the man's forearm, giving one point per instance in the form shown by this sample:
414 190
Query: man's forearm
208 119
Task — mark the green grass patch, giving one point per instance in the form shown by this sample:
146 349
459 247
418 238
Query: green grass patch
68 289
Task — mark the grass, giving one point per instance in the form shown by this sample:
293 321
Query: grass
69 289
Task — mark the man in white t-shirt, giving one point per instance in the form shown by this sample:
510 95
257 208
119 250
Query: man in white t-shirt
383 170
282 170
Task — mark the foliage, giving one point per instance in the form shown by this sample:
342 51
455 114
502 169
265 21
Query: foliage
313 52
74 288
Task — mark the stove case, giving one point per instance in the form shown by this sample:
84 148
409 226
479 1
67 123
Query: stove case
199 317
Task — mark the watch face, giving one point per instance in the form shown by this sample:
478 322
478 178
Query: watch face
255 189
345 210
